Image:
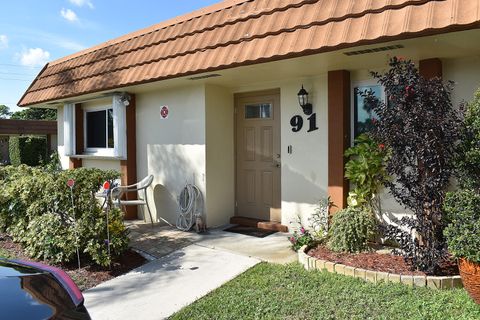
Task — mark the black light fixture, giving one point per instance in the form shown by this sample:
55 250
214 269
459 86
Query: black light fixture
303 101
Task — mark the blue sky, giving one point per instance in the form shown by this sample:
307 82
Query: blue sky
33 32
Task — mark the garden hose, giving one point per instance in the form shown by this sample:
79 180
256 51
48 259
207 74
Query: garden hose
189 200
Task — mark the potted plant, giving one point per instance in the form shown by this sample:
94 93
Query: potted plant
462 209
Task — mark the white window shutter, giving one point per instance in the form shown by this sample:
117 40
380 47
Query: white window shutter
119 127
69 129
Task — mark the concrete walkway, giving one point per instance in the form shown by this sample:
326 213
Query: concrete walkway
159 288
158 240
186 267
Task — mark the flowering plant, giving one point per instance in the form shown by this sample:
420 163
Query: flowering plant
299 238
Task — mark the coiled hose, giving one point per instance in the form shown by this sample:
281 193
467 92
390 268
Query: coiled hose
189 200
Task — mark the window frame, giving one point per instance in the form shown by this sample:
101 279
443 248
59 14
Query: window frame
354 113
98 151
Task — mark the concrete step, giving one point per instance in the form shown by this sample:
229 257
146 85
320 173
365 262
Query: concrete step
258 223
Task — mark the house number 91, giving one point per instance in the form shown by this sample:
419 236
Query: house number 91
297 123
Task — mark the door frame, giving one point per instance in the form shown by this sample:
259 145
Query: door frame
236 98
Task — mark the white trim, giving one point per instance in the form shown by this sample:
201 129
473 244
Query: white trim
119 126
97 157
69 129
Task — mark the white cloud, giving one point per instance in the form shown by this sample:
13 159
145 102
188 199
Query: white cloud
69 15
3 41
48 39
81 3
34 57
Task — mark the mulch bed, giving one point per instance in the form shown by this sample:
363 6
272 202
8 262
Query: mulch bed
89 275
384 262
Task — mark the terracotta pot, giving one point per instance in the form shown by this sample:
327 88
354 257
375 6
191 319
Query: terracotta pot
470 273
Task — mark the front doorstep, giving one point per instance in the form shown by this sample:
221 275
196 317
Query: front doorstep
257 223
311 263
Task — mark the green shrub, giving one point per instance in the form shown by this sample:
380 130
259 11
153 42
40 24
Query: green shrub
467 162
366 170
462 213
350 230
31 151
47 237
36 210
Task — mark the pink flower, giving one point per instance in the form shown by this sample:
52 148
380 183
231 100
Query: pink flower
302 230
292 239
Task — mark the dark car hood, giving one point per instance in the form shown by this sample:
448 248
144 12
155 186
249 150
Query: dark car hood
29 293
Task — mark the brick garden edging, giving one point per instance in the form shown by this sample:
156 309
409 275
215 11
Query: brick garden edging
311 263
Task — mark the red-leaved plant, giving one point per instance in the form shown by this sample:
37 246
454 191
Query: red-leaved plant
419 126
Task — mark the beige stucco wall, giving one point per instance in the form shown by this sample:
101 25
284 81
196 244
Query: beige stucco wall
220 162
465 73
196 142
172 149
305 171
101 164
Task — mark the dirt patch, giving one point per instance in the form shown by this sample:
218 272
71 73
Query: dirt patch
384 262
89 275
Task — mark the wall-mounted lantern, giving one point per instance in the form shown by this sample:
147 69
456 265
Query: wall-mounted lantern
303 101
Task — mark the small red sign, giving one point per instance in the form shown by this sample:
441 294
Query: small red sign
70 183
164 112
106 185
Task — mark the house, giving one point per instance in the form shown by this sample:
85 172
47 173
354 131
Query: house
211 97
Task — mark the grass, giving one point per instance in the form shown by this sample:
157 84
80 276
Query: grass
269 291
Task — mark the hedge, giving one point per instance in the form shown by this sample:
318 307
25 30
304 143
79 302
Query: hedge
28 150
36 210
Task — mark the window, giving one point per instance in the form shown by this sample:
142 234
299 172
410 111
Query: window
362 116
99 129
104 129
258 111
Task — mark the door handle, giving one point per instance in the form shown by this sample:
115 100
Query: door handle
277 165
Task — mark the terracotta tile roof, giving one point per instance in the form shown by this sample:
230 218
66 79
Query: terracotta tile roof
236 32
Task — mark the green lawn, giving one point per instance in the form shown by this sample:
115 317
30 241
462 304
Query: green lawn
270 291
